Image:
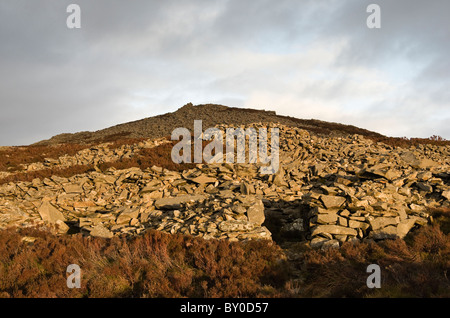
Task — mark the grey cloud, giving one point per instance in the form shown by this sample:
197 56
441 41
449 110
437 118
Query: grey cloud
410 28
413 39
133 59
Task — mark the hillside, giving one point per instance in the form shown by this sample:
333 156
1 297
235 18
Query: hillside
341 198
210 114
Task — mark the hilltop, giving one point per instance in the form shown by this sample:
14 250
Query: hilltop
211 115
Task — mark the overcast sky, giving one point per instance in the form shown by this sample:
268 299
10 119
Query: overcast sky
302 58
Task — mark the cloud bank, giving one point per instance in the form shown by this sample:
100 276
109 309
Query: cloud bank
307 59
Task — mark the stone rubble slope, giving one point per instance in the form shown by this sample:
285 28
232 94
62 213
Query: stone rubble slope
328 190
94 155
210 114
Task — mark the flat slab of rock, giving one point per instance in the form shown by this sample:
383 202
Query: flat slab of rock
236 226
50 214
427 163
255 212
410 159
326 218
389 232
73 188
404 227
379 171
331 201
334 230
381 222
101 231
204 179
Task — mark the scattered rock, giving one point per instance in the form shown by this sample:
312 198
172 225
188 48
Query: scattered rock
333 229
330 244
328 189
381 222
236 226
331 202
389 232
204 179
101 231
62 227
73 188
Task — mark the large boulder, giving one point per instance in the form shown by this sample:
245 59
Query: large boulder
255 212
50 213
101 231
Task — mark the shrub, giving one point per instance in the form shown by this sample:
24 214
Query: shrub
157 264
47 173
153 265
416 267
11 159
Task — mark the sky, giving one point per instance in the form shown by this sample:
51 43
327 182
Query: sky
302 58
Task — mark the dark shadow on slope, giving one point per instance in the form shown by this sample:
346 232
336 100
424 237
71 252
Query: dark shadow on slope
286 220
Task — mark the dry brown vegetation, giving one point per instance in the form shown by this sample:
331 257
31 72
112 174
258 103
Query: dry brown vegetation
416 267
163 265
11 159
442 217
327 128
47 173
153 265
145 158
409 142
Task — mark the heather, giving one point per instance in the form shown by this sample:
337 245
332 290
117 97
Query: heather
164 265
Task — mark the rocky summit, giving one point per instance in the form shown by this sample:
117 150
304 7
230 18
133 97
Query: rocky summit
329 189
